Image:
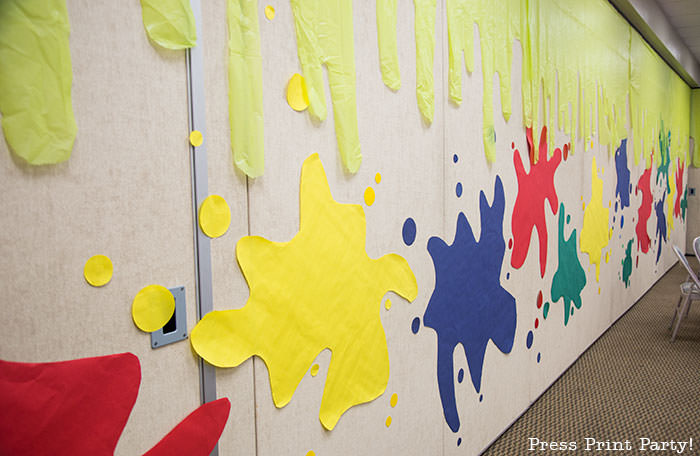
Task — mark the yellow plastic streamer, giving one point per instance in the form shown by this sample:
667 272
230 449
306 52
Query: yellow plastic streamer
169 23
324 33
245 87
386 37
425 50
695 125
35 80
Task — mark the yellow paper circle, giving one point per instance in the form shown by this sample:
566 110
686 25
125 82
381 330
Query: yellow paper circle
153 306
377 178
98 270
388 421
394 400
297 95
269 12
314 370
196 138
387 304
369 196
214 216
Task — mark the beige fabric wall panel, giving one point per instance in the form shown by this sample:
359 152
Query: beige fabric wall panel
229 287
125 192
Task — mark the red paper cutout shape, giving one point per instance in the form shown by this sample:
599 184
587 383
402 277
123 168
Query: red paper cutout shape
644 211
533 189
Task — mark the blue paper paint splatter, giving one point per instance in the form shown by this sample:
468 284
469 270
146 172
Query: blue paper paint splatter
660 224
415 325
528 340
469 305
460 375
623 176
455 158
409 231
458 190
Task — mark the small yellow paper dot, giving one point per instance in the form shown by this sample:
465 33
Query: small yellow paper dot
394 400
314 370
214 216
377 178
583 205
369 196
607 257
388 421
152 307
269 12
387 304
598 290
311 453
98 270
196 138
297 94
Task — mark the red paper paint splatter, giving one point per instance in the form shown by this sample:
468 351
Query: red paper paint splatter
680 167
533 188
644 211
539 299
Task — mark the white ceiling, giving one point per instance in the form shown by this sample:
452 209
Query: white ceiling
684 16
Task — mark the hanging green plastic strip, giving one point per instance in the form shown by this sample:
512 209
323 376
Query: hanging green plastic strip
245 87
169 23
325 36
386 36
425 50
35 80
695 125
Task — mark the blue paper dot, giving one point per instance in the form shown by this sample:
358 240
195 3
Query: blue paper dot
528 342
615 206
415 325
622 221
507 275
459 189
459 441
455 158
409 231
460 375
481 397
539 356
613 219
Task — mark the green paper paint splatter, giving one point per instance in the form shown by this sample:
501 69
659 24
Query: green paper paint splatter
627 264
570 278
545 310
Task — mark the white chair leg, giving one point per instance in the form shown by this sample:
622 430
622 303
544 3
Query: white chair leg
675 312
686 301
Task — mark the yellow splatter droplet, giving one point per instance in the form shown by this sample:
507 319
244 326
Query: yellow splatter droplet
387 304
607 257
152 307
98 270
595 233
311 453
314 370
297 93
214 216
369 196
609 203
598 290
293 285
378 178
196 138
388 421
583 205
269 12
610 233
394 400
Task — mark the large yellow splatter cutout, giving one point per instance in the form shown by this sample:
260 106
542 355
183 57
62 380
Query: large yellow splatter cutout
320 290
595 234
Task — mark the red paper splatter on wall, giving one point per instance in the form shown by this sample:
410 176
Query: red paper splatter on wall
680 167
533 189
644 211
81 407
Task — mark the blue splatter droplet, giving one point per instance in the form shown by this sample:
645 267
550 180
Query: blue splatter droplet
460 375
622 221
613 219
415 325
528 342
615 206
459 189
507 275
455 158
409 231
459 441
481 397
539 356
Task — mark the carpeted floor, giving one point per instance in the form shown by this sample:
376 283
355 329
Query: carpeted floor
632 383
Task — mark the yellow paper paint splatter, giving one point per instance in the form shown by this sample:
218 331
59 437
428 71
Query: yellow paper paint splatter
386 37
378 178
269 12
314 370
214 216
245 97
369 196
297 94
595 231
425 50
98 270
387 304
388 421
35 80
196 138
320 290
324 33
607 256
310 453
394 400
169 23
152 307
